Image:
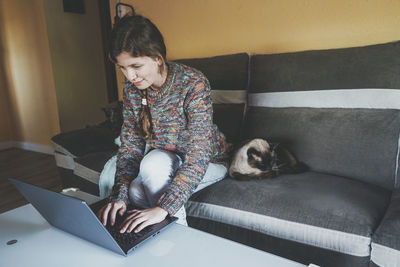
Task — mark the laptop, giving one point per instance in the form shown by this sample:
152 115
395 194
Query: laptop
75 216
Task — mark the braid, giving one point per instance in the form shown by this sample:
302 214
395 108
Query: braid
145 124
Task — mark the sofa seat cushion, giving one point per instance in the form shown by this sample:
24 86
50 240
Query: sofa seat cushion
84 141
90 166
386 239
64 161
316 209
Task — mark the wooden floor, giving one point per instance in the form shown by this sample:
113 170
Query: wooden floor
32 167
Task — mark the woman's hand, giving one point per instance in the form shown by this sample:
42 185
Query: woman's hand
110 210
139 219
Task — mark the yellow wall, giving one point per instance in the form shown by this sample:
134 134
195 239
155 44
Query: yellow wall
77 57
201 28
31 105
6 126
192 28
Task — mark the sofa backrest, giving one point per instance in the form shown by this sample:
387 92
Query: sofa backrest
228 77
337 110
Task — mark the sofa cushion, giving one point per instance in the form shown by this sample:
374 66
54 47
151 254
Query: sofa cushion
84 141
339 108
64 161
228 76
312 208
90 166
228 72
373 66
386 239
358 143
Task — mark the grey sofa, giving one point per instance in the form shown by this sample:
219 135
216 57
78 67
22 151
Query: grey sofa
337 111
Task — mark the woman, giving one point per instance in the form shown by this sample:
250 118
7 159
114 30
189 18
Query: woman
169 143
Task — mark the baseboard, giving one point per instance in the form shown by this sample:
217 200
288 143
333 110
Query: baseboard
7 145
27 146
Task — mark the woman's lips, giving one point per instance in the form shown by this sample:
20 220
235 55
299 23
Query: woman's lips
136 83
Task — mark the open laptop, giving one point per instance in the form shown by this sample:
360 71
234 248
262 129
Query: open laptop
74 216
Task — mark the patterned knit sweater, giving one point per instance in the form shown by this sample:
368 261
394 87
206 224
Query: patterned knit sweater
182 120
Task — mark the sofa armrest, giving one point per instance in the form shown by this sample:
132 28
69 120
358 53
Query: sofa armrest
386 239
81 142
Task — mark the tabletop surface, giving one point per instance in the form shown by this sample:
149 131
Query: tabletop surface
40 244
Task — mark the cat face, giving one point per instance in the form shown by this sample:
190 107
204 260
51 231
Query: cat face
262 160
254 158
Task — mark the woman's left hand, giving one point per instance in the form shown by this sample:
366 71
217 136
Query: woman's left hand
139 219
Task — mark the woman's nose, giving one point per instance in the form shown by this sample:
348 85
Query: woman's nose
131 75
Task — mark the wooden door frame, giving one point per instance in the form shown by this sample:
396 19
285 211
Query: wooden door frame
105 24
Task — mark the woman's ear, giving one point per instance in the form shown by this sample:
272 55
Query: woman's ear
161 64
160 61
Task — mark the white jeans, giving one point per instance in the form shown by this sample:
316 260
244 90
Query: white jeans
157 169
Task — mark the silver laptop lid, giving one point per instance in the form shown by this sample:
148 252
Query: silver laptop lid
68 214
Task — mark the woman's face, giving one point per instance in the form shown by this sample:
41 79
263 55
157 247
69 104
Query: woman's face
143 72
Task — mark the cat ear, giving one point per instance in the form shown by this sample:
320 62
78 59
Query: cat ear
274 146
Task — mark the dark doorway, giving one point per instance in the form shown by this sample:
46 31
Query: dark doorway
111 78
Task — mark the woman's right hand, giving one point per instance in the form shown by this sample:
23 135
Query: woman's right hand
110 210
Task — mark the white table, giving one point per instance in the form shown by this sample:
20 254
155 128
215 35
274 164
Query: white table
40 244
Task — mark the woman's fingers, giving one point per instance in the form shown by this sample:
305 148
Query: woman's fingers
116 207
135 223
142 226
133 211
134 215
136 218
142 219
131 222
104 215
128 218
122 210
110 210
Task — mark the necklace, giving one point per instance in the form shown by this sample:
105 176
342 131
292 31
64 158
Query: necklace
144 101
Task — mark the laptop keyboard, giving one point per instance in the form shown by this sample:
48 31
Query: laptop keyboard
126 240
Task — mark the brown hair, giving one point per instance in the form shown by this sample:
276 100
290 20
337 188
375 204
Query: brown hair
146 125
138 36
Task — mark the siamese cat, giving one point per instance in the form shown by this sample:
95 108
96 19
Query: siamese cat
259 159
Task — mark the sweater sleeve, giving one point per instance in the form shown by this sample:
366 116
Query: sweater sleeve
130 152
198 109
